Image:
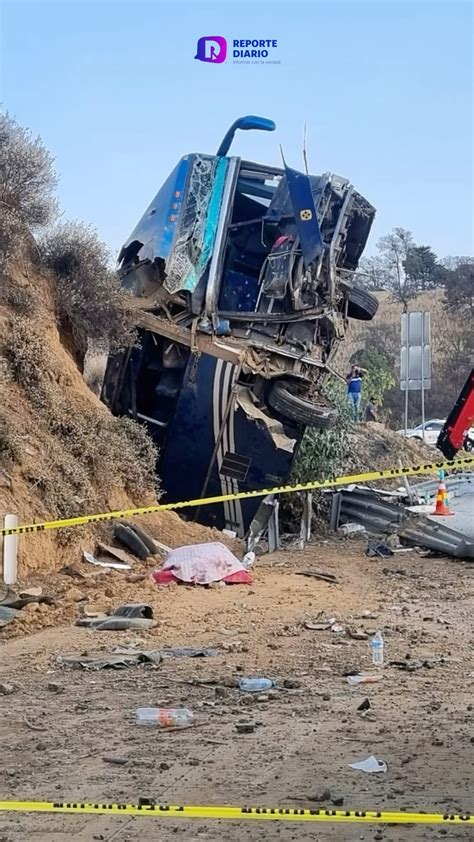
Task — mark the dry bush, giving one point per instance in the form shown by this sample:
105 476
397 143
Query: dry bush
30 361
90 301
27 183
9 441
16 295
114 451
63 485
95 452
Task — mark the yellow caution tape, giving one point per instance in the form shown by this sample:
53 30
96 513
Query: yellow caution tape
286 814
368 476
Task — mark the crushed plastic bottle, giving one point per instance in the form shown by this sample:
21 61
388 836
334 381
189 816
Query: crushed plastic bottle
376 644
363 678
248 559
164 717
255 685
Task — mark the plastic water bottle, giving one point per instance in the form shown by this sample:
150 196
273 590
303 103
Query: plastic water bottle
164 717
255 685
248 559
376 645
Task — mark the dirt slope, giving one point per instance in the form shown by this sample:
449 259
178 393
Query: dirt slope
61 452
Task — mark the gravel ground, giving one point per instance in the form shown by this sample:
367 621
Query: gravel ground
59 728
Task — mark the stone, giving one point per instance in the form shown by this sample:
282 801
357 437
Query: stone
74 595
6 689
324 795
33 591
54 687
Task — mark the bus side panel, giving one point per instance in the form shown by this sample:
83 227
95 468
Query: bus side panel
246 457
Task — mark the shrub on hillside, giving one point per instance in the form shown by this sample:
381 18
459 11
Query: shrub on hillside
9 440
27 183
90 302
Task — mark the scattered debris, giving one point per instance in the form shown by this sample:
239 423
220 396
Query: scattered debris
370 764
202 564
131 616
325 795
73 571
32 726
364 705
350 529
115 552
363 678
255 685
410 666
115 565
248 560
376 550
116 660
189 652
130 539
33 591
245 727
337 628
399 572
144 536
317 574
356 634
116 761
7 615
54 687
308 624
165 717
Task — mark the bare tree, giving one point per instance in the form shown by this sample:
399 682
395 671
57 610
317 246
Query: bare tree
394 249
372 274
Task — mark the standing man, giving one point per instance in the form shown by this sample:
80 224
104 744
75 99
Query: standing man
371 410
354 388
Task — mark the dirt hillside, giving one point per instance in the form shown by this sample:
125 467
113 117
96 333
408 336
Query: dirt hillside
61 452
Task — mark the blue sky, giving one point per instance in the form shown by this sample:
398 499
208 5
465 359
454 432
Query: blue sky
384 87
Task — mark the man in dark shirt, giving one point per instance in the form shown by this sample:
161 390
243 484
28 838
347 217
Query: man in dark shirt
371 410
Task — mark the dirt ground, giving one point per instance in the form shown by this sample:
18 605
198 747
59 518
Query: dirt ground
304 736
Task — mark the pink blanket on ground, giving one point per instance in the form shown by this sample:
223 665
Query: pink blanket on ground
202 564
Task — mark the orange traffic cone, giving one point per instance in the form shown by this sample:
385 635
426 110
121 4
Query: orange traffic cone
442 502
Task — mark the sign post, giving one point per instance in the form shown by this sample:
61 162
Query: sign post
415 358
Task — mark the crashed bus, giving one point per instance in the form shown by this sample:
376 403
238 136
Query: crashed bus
241 276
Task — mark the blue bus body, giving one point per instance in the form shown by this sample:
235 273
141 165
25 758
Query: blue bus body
241 278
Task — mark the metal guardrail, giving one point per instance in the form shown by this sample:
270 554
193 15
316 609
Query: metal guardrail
381 517
454 482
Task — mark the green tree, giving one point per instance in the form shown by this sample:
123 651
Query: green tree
422 268
459 289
